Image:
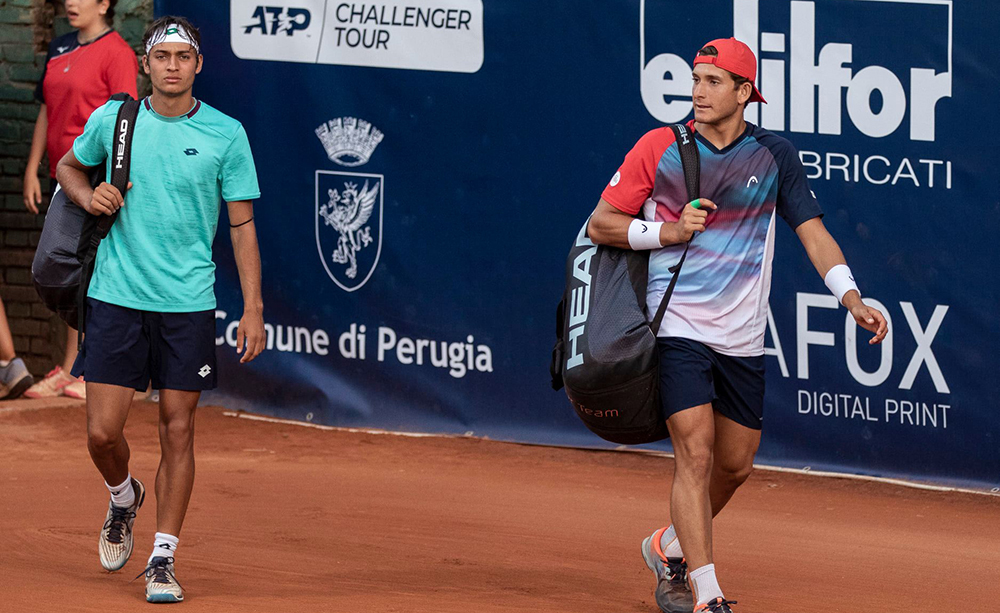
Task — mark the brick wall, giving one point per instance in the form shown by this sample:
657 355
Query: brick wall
26 27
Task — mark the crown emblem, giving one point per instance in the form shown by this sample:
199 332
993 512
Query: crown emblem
349 141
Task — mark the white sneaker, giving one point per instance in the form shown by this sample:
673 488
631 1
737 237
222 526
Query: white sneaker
51 386
115 544
76 389
161 584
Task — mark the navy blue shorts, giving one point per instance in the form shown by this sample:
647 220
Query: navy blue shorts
692 374
130 348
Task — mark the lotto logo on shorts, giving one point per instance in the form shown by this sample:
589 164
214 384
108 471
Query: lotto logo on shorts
205 371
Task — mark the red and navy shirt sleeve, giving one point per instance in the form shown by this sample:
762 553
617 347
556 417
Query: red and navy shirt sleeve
796 202
632 185
58 46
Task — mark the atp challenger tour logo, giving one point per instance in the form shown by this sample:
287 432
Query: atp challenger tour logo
444 35
349 204
842 83
274 20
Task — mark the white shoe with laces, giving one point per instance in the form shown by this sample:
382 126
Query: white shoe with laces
115 545
161 584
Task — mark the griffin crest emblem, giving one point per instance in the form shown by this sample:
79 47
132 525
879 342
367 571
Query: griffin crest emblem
347 223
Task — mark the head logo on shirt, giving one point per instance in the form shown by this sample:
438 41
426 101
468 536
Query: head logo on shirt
615 179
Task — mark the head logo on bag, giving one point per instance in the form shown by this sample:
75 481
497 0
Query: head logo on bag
120 151
579 297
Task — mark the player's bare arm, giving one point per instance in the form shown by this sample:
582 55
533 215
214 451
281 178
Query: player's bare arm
611 226
250 336
825 254
73 179
32 187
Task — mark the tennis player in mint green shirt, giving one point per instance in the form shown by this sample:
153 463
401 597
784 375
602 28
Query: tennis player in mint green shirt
151 303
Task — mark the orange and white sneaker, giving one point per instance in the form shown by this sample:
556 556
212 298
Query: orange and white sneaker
77 389
52 385
673 594
719 605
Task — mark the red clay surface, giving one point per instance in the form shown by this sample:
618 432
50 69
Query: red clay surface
292 519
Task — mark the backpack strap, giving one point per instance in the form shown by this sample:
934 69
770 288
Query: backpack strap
688 149
120 162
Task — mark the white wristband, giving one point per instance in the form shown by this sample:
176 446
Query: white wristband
644 234
840 280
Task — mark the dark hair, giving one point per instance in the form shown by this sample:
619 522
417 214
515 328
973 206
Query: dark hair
160 24
109 17
711 51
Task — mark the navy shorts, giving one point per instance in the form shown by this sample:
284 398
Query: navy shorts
692 374
131 348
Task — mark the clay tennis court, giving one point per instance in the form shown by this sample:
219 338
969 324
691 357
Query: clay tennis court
289 518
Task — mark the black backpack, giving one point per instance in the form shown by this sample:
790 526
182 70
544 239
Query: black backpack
605 353
64 259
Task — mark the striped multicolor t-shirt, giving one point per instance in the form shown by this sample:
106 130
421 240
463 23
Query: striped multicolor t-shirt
721 296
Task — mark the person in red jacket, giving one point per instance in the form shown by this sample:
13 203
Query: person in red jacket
82 70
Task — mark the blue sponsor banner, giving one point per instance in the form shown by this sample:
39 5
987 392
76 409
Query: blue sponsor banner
426 166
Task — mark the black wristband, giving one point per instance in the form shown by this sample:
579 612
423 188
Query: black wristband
241 224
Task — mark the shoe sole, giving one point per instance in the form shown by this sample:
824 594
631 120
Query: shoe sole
35 395
163 598
20 387
141 495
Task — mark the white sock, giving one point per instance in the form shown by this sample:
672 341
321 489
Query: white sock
164 546
5 363
705 585
122 496
669 543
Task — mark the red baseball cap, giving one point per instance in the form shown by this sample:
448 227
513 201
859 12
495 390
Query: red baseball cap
735 57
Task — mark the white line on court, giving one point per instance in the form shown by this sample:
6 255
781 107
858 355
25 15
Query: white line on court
796 471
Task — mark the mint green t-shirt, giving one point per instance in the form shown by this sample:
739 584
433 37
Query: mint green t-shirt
158 256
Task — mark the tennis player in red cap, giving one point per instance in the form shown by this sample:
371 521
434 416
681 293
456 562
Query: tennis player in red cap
711 341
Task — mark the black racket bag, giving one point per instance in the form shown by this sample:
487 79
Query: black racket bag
606 354
67 249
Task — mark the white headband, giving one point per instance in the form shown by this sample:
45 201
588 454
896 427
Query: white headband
173 33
